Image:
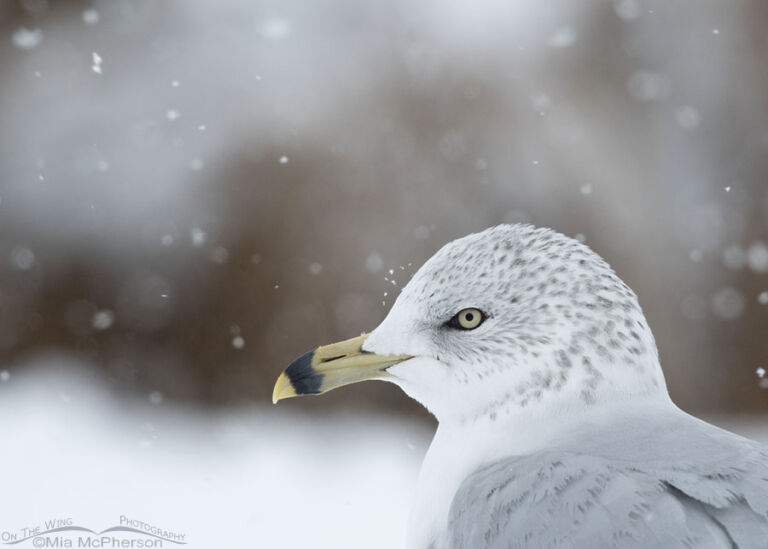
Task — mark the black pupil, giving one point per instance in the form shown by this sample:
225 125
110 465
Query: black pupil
469 317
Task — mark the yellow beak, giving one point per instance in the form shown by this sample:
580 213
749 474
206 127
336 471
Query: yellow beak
332 366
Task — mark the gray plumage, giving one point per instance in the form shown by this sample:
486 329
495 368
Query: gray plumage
678 483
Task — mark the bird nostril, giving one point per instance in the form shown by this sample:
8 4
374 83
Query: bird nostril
331 358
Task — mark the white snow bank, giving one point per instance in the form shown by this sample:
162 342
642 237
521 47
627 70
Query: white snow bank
248 478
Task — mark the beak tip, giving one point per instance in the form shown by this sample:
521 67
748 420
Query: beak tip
283 388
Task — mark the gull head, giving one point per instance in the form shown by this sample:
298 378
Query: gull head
505 322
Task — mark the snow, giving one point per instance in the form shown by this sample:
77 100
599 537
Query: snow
26 39
283 160
103 320
219 255
562 38
258 476
22 258
238 342
374 262
586 189
275 28
628 10
315 268
90 16
762 298
696 255
757 257
96 66
687 117
199 236
728 303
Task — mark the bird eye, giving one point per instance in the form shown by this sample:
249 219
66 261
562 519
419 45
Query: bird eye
467 319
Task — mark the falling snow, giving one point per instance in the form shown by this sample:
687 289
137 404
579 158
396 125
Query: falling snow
562 38
26 39
728 303
103 320
696 255
198 236
90 16
757 257
22 258
197 180
96 66
219 254
374 262
687 117
628 10
275 28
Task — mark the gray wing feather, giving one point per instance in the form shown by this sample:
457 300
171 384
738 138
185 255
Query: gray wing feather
706 489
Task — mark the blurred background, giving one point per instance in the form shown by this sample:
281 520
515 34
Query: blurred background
193 193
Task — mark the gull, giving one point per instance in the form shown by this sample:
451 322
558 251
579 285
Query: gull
555 427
